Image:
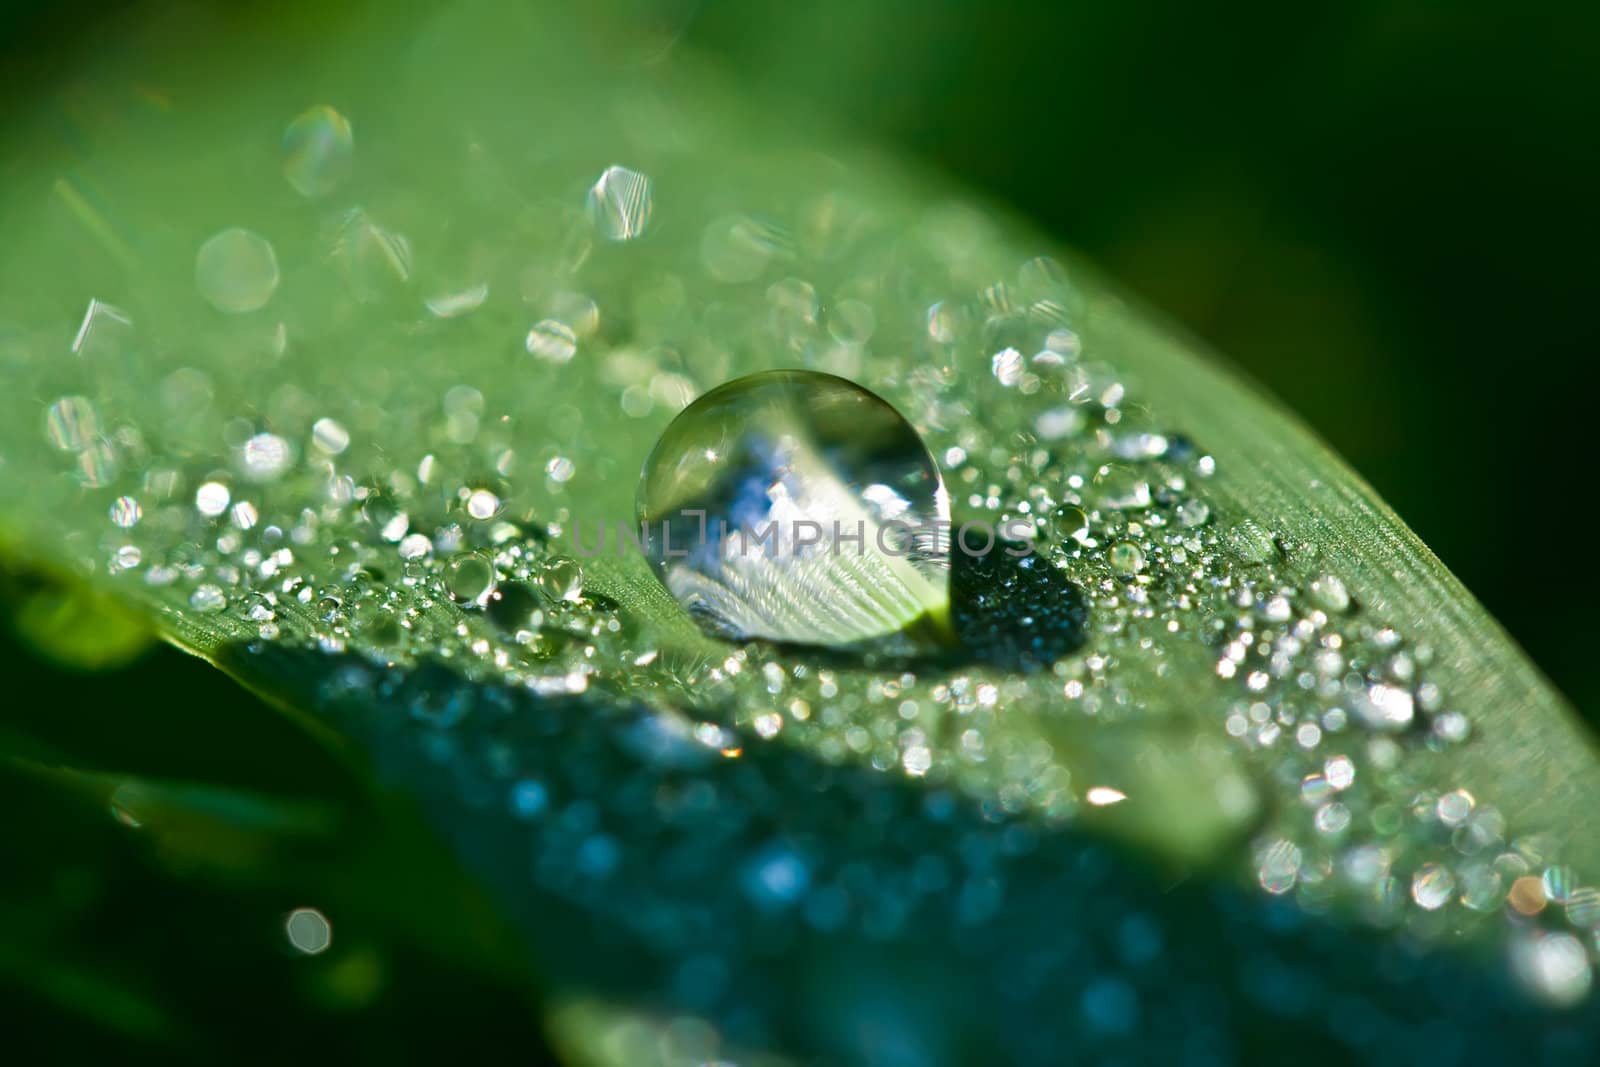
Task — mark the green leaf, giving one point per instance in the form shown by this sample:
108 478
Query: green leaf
1283 791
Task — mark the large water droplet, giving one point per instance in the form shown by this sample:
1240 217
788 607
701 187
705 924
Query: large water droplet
798 507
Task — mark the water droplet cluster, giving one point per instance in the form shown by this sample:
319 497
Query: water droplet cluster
406 481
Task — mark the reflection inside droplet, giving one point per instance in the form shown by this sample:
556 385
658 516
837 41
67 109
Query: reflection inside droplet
798 507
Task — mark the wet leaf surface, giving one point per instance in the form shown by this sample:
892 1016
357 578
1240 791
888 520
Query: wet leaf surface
1228 763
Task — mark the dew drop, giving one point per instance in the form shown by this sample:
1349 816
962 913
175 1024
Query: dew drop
1193 513
125 512
1558 884
1007 366
1122 486
1340 772
329 436
415 546
1384 707
943 326
552 340
560 469
308 931
620 204
468 578
1583 906
97 464
482 504
208 599
1278 866
1251 542
211 499
1432 886
236 271
1330 594
561 579
798 507
317 151
71 423
265 456
1126 557
459 302
1070 522
1553 967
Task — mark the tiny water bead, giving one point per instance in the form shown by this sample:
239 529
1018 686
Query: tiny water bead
317 150
236 271
798 507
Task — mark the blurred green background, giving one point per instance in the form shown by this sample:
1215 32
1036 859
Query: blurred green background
1383 211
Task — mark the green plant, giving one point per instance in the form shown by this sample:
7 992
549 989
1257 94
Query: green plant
334 434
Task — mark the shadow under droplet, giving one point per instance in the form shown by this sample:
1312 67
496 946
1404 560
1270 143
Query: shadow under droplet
1010 610
1018 612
